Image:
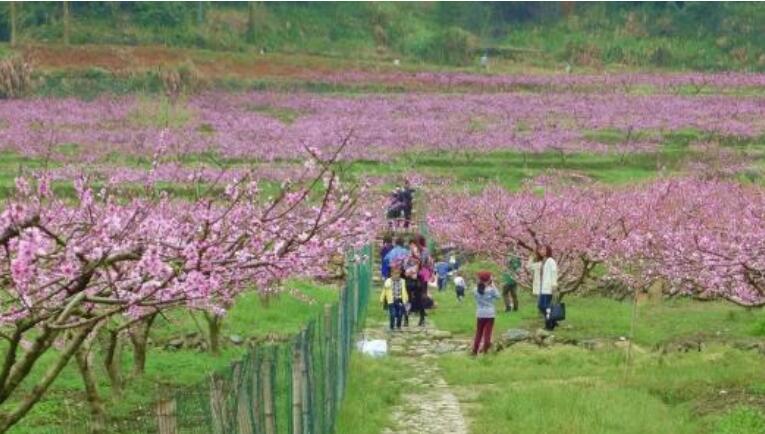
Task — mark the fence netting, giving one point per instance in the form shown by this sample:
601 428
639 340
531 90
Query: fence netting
291 386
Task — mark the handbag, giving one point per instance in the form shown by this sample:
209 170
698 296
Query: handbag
427 302
557 312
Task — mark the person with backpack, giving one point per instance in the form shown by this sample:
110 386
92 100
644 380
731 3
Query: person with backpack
395 207
510 283
548 286
394 296
485 296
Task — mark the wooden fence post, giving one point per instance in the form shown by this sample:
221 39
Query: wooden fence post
243 401
328 368
167 422
305 379
267 393
255 394
297 388
217 405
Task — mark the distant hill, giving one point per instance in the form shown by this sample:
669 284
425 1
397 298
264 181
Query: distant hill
674 35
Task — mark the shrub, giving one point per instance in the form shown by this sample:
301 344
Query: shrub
452 46
183 79
15 77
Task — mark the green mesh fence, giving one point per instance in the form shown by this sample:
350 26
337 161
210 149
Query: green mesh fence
294 386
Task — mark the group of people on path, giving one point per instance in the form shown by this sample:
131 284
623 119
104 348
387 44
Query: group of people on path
408 270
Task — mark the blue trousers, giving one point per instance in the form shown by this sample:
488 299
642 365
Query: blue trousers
396 312
441 283
544 302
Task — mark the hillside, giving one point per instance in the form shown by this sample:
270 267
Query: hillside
673 35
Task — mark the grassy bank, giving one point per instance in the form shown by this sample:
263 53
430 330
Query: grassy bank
568 389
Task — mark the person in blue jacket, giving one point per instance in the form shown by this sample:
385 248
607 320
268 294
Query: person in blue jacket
384 250
442 273
398 251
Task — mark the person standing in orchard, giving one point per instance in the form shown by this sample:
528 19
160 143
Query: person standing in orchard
548 286
394 296
510 283
485 296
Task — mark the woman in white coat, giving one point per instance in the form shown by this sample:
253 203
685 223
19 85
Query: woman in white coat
544 271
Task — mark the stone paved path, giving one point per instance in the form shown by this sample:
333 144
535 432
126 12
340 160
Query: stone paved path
427 406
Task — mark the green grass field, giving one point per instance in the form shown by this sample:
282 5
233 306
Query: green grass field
567 388
252 316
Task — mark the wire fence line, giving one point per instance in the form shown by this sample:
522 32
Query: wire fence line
293 386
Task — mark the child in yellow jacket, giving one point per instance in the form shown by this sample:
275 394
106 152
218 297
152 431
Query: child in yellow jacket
394 296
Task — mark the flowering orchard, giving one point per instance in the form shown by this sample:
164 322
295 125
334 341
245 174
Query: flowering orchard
690 82
106 263
703 238
266 126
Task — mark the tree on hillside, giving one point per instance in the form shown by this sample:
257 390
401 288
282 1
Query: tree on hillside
12 19
65 6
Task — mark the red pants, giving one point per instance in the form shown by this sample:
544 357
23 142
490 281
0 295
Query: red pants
483 331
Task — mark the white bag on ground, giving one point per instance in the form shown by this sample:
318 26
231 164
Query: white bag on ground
373 347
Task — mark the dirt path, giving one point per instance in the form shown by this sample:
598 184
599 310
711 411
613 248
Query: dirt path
427 405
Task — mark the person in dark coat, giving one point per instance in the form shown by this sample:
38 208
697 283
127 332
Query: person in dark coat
407 198
417 291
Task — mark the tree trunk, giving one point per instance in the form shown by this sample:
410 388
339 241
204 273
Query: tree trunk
10 418
112 358
98 415
139 336
214 323
66 22
13 24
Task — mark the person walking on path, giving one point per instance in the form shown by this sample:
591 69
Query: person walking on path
397 252
442 273
384 250
548 286
406 196
510 283
414 281
485 296
394 296
534 265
